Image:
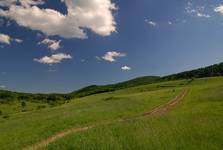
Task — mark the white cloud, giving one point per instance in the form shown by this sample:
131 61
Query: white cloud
25 3
52 44
170 22
219 9
98 58
5 39
198 11
84 60
28 3
126 68
95 15
150 22
18 40
203 15
2 86
110 56
54 59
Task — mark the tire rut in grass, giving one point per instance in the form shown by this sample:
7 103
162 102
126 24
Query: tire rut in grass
154 112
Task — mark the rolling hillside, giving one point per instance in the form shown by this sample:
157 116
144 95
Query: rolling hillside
117 120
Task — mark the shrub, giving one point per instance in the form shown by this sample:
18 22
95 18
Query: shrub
23 104
6 116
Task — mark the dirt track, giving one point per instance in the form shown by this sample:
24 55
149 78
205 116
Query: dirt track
156 111
166 107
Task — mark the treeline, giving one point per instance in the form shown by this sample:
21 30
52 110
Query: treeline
97 89
210 71
7 97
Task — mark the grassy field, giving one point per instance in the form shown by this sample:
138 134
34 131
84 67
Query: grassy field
196 122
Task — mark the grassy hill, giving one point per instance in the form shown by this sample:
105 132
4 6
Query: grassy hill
95 89
195 123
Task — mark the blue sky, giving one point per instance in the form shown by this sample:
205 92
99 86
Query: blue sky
63 45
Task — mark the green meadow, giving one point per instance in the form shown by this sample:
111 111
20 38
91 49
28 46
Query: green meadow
195 123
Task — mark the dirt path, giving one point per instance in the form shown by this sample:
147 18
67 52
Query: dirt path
156 111
166 107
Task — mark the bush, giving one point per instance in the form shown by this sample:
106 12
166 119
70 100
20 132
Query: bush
23 104
6 116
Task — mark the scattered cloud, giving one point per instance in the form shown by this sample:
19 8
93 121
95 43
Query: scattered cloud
83 60
198 11
2 86
18 40
170 22
52 70
203 15
126 68
151 23
98 58
219 9
52 44
110 56
54 59
5 39
96 15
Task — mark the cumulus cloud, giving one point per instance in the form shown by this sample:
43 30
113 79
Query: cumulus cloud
110 56
219 9
54 59
52 44
151 23
126 68
5 39
95 15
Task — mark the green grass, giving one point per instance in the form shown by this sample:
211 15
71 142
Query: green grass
22 129
16 107
195 124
